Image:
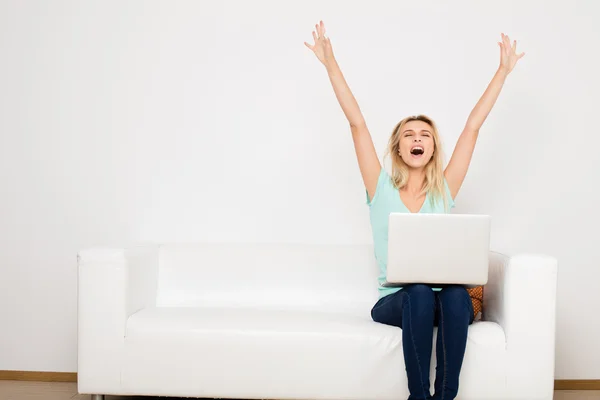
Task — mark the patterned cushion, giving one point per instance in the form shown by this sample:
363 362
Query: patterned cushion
476 295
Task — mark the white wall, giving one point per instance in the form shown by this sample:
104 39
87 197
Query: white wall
193 120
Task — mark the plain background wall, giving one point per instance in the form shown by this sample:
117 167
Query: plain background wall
127 121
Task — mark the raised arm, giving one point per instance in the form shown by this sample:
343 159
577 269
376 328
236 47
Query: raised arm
461 157
363 144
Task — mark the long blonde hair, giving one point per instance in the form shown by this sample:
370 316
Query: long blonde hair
434 184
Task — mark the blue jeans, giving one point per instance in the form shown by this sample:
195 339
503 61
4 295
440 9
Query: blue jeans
417 309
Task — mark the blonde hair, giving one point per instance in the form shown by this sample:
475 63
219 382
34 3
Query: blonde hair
434 184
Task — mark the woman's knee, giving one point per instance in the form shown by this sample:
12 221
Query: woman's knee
456 299
418 289
420 294
454 292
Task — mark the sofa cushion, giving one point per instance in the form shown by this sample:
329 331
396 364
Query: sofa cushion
336 278
337 355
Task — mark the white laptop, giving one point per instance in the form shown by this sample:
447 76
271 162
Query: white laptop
438 249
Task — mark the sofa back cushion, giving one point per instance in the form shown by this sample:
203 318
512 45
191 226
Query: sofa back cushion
337 278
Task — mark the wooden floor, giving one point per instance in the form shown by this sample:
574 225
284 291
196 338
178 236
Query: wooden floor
12 390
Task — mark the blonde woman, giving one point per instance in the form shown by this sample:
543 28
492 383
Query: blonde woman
418 184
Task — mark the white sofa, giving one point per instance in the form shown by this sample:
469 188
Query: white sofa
277 321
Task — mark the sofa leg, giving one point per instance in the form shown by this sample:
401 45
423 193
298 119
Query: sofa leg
97 397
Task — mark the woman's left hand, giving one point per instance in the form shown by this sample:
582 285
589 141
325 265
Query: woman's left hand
508 54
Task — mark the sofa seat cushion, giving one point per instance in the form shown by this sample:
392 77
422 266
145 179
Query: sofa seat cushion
249 353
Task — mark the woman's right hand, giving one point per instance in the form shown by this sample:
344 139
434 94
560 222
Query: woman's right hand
365 151
322 46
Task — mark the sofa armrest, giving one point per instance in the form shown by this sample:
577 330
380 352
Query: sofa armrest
112 285
521 297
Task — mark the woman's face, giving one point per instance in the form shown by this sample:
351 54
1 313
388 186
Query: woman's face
416 144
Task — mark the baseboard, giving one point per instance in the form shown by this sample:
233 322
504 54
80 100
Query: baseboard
36 376
577 384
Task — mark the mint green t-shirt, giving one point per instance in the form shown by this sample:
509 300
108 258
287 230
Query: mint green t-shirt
387 200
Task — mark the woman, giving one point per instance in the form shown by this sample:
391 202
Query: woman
418 183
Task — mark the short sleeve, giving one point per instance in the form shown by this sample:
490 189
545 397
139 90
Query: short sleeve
383 184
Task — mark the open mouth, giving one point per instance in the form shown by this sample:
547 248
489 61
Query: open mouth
417 151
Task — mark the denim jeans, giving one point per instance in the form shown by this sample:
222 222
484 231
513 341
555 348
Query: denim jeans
417 309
